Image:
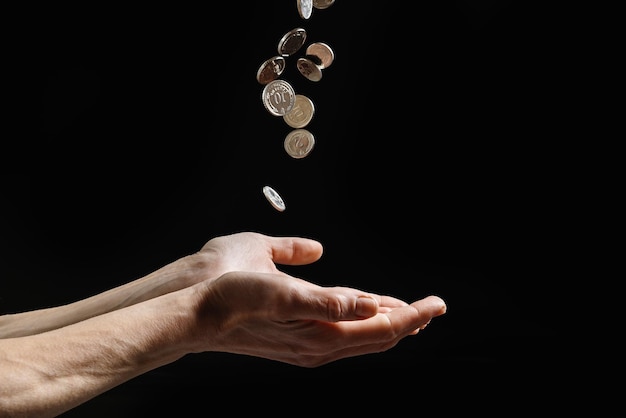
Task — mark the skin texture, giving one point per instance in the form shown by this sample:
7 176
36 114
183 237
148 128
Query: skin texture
228 297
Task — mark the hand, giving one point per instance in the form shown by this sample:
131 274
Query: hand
282 318
251 251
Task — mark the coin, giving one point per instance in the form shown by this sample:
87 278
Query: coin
309 69
299 143
322 52
291 42
271 69
305 8
274 198
323 4
302 112
278 97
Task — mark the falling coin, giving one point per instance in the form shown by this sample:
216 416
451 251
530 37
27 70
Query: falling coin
323 52
291 42
271 69
309 69
305 8
278 97
299 143
274 198
302 112
323 4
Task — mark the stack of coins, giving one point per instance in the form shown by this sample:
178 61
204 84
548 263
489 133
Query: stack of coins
278 95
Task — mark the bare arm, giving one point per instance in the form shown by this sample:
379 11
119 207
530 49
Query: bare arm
273 316
46 374
167 279
243 251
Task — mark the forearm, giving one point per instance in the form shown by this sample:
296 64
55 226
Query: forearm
172 277
49 373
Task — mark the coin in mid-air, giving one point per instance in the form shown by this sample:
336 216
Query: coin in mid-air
309 69
299 143
278 97
324 54
271 69
274 198
305 8
302 112
323 4
291 42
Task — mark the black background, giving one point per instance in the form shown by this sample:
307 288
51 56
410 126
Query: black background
141 135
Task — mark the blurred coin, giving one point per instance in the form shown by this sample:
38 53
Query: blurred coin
278 97
274 198
305 8
291 42
309 69
299 143
323 52
322 4
302 112
271 69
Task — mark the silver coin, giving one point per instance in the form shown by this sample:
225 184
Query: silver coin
309 69
278 97
274 198
302 112
322 52
271 69
291 42
299 143
323 4
305 8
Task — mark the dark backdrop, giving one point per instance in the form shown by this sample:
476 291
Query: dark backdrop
141 135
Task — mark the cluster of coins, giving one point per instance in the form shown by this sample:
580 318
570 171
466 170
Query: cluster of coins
279 96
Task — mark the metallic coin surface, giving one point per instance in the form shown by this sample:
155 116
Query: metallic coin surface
291 42
274 198
309 69
299 143
271 69
323 4
278 97
302 112
305 8
323 52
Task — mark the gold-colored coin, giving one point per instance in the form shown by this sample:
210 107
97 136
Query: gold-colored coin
271 69
301 113
322 52
323 4
291 42
309 69
299 143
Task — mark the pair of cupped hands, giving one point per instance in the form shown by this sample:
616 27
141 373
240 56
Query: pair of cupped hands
252 307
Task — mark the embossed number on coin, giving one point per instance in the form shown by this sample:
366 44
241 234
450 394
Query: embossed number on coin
274 198
299 143
302 112
278 97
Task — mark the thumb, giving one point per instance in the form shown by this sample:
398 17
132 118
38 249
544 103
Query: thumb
335 304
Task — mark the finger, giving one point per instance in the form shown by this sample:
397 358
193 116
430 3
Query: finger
372 335
384 328
295 250
331 304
